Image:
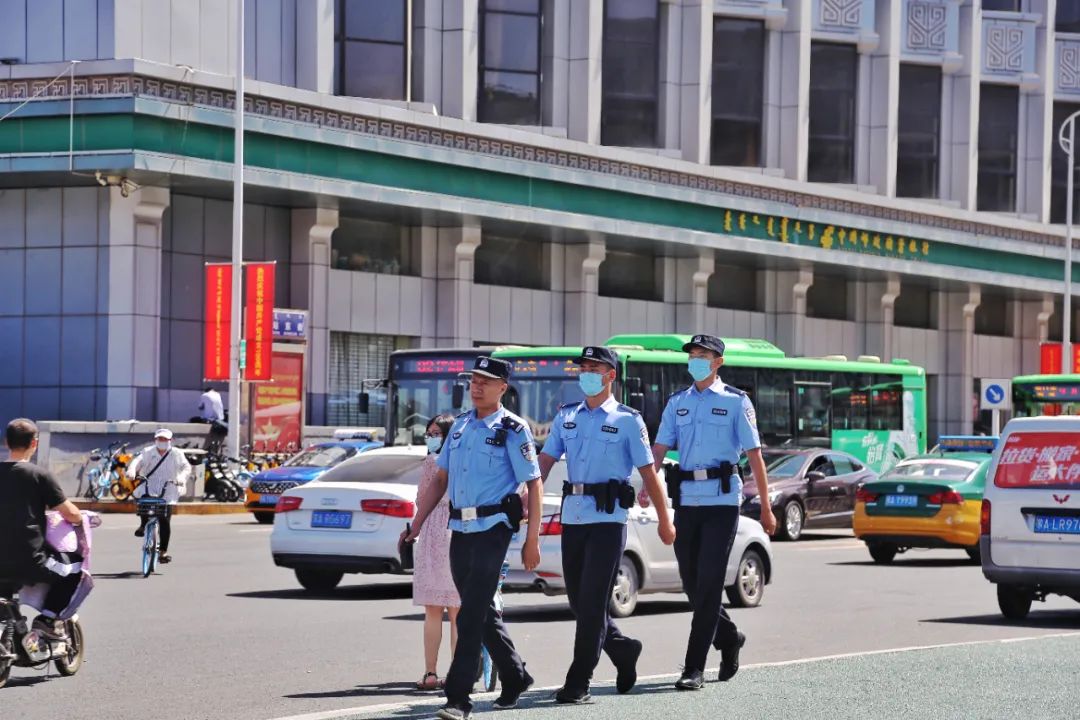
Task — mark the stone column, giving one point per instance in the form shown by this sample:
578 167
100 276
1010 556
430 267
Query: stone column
881 93
315 50
584 71
582 287
1037 115
792 103
134 262
957 383
880 313
460 62
671 67
692 291
791 289
311 233
960 113
555 64
695 83
456 263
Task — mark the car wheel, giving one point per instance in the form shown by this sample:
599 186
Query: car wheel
624 595
883 553
265 518
749 581
792 519
1015 602
319 581
975 554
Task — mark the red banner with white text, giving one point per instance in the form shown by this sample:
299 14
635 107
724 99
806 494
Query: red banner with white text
218 323
258 320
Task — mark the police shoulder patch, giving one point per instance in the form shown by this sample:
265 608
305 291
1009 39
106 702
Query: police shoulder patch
528 451
734 390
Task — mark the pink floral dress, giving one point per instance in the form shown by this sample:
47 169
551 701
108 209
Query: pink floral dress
432 582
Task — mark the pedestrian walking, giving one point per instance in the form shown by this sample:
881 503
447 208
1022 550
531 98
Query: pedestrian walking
433 584
711 425
489 454
603 442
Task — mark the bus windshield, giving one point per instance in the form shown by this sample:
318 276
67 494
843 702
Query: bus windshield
538 386
421 387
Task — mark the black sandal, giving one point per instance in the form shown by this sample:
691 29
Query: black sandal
423 684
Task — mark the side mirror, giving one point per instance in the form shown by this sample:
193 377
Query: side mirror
636 400
457 396
363 403
815 476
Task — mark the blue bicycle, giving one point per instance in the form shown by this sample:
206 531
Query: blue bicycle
101 470
488 674
152 508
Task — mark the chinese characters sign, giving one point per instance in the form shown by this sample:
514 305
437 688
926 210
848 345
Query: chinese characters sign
290 324
259 315
218 324
1034 460
277 412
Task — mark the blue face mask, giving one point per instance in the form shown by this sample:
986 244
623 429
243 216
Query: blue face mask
591 383
700 368
434 444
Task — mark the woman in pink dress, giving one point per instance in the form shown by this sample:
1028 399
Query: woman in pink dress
433 586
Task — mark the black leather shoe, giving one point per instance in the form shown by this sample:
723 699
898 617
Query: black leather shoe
508 699
166 559
627 669
572 697
140 532
690 680
729 658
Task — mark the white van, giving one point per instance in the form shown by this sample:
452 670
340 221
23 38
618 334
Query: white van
1031 513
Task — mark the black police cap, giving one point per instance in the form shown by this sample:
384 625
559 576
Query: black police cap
708 342
492 368
599 354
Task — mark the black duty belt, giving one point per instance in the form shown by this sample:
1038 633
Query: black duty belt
722 472
606 494
511 505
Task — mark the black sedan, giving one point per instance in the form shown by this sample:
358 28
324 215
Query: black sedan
810 488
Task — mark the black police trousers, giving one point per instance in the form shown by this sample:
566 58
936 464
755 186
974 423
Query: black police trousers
703 540
590 560
475 562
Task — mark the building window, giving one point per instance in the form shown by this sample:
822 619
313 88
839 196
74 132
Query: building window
999 108
919 149
827 298
630 104
1068 17
738 91
374 247
833 72
1001 5
511 262
510 33
733 287
1059 189
371 39
630 275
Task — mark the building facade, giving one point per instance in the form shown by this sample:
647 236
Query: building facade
836 176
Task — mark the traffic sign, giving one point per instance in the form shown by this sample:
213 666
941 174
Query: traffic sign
996 394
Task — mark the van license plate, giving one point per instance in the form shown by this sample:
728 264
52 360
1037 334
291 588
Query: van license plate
1057 524
907 501
331 519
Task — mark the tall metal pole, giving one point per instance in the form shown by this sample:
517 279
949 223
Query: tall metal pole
237 239
1067 140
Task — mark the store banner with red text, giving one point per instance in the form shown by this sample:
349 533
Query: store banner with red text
218 321
259 320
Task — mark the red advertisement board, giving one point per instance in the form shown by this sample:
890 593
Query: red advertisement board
218 321
259 320
277 406
1050 358
1039 460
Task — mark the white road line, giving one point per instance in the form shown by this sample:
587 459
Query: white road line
422 703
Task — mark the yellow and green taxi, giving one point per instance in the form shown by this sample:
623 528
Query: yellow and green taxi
927 501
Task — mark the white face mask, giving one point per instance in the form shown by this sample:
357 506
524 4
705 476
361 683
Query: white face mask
162 444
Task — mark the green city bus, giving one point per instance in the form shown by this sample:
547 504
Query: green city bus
873 410
1035 395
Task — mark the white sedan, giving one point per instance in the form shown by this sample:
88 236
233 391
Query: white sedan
349 519
648 566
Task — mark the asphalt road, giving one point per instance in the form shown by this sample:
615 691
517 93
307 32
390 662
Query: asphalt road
222 633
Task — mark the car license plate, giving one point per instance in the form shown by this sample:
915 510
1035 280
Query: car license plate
905 501
268 499
331 519
1057 524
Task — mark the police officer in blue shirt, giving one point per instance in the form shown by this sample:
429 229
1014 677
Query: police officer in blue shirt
488 454
711 424
603 442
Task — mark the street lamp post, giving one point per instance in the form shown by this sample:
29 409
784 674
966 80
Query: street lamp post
1067 138
237 240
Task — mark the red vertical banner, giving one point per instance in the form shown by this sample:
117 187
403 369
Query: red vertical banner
1076 358
258 320
1050 358
217 321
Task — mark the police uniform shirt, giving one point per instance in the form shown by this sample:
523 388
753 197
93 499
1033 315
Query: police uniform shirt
708 428
603 444
482 472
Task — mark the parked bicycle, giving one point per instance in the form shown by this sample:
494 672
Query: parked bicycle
103 469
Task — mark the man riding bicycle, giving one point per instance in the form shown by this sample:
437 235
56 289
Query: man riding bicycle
26 492
164 473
